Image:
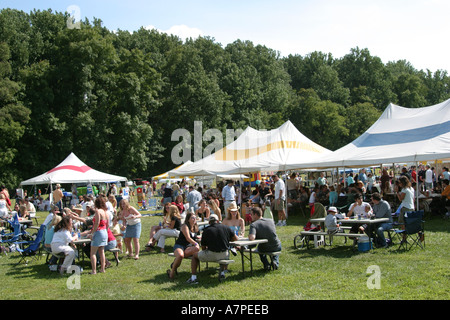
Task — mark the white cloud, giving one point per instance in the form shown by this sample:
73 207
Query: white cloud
181 31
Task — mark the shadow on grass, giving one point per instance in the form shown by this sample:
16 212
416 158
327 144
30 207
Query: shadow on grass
32 270
36 269
335 251
207 278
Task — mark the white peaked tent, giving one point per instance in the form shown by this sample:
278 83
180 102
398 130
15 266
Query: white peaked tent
257 150
166 175
72 170
400 135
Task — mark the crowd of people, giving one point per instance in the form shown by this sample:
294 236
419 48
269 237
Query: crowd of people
112 224
231 210
426 180
366 195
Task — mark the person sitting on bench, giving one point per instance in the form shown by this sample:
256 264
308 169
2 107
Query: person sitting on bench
262 228
215 246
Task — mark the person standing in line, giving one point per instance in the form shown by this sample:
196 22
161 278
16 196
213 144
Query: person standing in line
280 197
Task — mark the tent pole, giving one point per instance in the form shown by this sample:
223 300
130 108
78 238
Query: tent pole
285 194
417 189
345 177
241 184
337 176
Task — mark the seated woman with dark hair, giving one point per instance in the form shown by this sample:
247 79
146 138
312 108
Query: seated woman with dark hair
186 244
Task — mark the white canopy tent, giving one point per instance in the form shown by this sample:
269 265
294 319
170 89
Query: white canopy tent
72 170
255 151
400 135
166 175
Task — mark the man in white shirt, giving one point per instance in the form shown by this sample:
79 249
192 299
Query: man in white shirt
359 209
193 198
280 197
228 195
428 178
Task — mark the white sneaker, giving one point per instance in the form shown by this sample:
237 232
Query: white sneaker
279 223
191 281
284 223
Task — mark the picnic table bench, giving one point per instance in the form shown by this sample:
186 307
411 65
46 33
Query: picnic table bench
221 262
303 239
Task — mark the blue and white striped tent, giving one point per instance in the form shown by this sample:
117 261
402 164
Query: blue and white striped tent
400 135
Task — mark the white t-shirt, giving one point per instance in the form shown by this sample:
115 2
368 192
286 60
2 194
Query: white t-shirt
3 208
429 176
408 200
110 212
279 186
361 209
62 237
126 193
312 197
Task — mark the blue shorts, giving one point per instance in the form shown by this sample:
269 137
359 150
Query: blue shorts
133 231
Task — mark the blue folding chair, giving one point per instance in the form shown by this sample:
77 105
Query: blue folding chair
15 235
31 248
413 233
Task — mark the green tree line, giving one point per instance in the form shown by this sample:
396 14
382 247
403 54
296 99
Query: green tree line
114 98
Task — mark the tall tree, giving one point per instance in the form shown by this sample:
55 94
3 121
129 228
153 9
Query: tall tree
14 116
367 78
321 121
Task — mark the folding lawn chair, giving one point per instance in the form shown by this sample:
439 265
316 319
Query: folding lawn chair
31 248
9 238
413 233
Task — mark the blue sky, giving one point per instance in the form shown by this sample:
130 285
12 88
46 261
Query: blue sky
414 30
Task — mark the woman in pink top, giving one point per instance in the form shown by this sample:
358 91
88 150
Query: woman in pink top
99 234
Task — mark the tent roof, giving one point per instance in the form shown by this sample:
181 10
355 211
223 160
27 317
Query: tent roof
72 170
165 175
257 150
399 135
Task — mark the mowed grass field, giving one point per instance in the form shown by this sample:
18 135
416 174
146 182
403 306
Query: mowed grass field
339 272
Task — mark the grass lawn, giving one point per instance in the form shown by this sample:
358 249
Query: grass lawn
339 272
